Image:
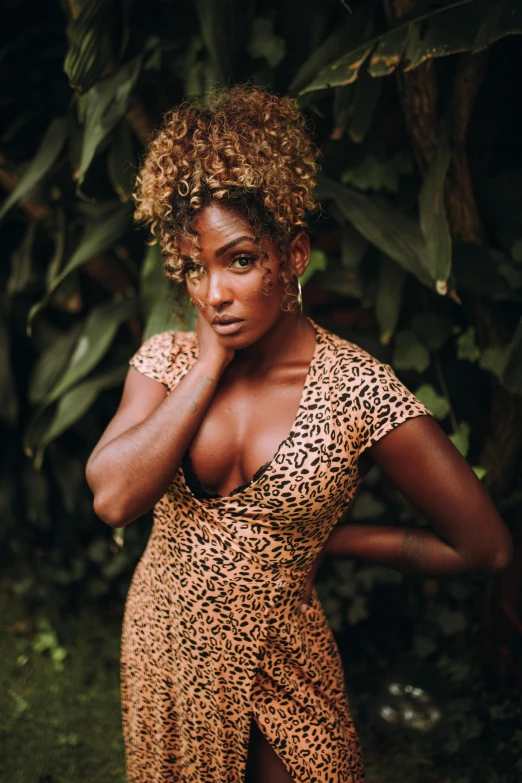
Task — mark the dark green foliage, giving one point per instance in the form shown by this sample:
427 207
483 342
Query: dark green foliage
61 716
392 270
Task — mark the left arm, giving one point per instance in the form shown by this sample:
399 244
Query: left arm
466 532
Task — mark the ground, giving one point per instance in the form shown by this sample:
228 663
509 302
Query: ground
60 720
60 713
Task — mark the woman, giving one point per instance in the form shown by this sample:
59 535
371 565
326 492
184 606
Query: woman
247 437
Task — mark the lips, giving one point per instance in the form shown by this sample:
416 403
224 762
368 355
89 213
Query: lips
227 325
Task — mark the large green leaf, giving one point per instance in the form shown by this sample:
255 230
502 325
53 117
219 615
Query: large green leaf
438 405
341 275
467 347
432 213
165 307
367 94
45 157
388 52
495 359
21 262
156 299
51 363
89 44
121 161
424 34
106 103
93 342
409 353
72 406
224 27
60 239
347 34
388 300
460 438
388 229
264 43
375 174
342 109
98 236
353 249
318 263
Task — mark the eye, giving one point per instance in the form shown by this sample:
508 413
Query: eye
242 262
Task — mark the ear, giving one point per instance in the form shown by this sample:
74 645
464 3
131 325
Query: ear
299 253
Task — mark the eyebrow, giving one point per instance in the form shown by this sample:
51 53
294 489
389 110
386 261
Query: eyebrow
227 247
233 243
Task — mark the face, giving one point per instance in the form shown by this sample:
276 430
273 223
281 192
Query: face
229 288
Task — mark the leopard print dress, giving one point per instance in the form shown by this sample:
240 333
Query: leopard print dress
214 632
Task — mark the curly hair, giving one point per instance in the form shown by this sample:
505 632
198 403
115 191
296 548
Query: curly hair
247 148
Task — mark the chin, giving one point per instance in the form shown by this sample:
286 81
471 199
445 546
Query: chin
240 341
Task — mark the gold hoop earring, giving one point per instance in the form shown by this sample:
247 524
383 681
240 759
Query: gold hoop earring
299 296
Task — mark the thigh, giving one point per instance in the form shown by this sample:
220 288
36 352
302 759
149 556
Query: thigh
263 763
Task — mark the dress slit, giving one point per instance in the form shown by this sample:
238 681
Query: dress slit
252 757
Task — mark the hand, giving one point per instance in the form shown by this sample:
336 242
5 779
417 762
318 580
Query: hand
211 346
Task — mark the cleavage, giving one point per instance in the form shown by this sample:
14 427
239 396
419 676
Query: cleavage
243 430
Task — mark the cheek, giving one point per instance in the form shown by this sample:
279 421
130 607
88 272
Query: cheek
269 281
261 293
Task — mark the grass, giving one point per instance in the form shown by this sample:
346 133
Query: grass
60 716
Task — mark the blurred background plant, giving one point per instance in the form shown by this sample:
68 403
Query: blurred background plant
417 258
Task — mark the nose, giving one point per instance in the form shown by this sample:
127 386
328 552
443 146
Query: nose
218 292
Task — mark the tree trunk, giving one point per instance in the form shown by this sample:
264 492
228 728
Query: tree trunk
418 92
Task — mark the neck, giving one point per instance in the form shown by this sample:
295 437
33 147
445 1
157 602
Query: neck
280 343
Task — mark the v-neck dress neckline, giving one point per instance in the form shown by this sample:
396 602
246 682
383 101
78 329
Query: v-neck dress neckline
203 493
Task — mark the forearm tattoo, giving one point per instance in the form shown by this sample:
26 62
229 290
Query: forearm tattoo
189 402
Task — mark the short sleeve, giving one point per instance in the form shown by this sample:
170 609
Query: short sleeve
385 403
154 358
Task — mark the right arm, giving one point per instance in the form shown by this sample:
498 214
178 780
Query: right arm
138 454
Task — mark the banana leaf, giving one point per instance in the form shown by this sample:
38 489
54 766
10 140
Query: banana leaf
366 98
432 213
106 104
94 340
224 29
122 162
70 408
98 235
51 363
347 34
165 306
389 230
21 262
90 47
424 34
388 299
45 157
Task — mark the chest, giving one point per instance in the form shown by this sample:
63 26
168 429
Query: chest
244 426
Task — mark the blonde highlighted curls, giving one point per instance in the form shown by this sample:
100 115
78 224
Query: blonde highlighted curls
247 148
